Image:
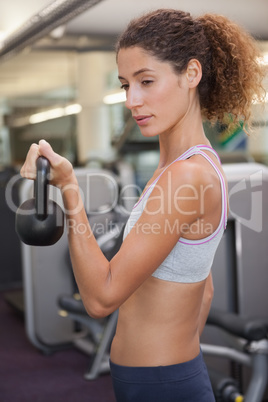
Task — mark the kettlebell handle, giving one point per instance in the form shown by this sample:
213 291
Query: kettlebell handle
41 187
40 221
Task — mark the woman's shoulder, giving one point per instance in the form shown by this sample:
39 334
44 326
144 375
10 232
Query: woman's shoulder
189 183
192 171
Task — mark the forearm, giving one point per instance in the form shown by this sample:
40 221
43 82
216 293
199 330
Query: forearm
91 268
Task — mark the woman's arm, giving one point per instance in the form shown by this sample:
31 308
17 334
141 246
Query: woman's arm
104 285
206 303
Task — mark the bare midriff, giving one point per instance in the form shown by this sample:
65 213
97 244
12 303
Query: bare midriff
158 325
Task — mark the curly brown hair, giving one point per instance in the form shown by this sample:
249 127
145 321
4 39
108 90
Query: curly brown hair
231 75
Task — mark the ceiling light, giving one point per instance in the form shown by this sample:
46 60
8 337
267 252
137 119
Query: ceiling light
116 97
72 109
55 113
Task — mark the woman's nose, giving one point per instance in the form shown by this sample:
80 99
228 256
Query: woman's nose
133 99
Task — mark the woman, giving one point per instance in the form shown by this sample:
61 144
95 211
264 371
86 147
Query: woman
176 71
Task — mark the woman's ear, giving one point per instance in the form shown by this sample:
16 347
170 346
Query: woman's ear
193 73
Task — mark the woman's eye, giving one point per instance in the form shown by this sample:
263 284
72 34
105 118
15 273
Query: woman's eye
124 86
147 82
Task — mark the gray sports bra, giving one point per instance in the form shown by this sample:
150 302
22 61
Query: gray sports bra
190 260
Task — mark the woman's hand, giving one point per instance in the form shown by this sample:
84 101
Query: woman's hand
61 170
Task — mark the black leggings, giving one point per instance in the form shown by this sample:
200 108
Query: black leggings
184 382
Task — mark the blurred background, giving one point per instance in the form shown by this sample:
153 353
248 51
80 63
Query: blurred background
57 57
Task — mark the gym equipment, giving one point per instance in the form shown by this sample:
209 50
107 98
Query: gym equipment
98 340
247 346
11 269
39 221
240 267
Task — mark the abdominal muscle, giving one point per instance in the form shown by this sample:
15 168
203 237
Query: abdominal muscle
158 325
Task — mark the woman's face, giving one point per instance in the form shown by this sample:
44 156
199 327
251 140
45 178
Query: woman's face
157 97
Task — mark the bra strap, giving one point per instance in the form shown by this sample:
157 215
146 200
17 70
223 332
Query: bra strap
195 150
223 186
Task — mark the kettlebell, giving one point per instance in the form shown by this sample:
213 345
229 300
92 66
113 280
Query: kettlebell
40 221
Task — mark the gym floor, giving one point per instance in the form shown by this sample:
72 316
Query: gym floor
27 375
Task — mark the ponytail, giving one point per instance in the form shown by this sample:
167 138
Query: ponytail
235 73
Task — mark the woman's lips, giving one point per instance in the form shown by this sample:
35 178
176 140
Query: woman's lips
142 120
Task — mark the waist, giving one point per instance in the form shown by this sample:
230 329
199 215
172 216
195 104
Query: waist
154 373
155 347
158 324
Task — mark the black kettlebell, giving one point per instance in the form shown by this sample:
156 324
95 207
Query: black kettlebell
40 221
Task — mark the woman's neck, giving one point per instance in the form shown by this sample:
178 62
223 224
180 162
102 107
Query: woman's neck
175 144
188 132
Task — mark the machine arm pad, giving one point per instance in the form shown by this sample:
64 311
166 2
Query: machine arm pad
247 328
